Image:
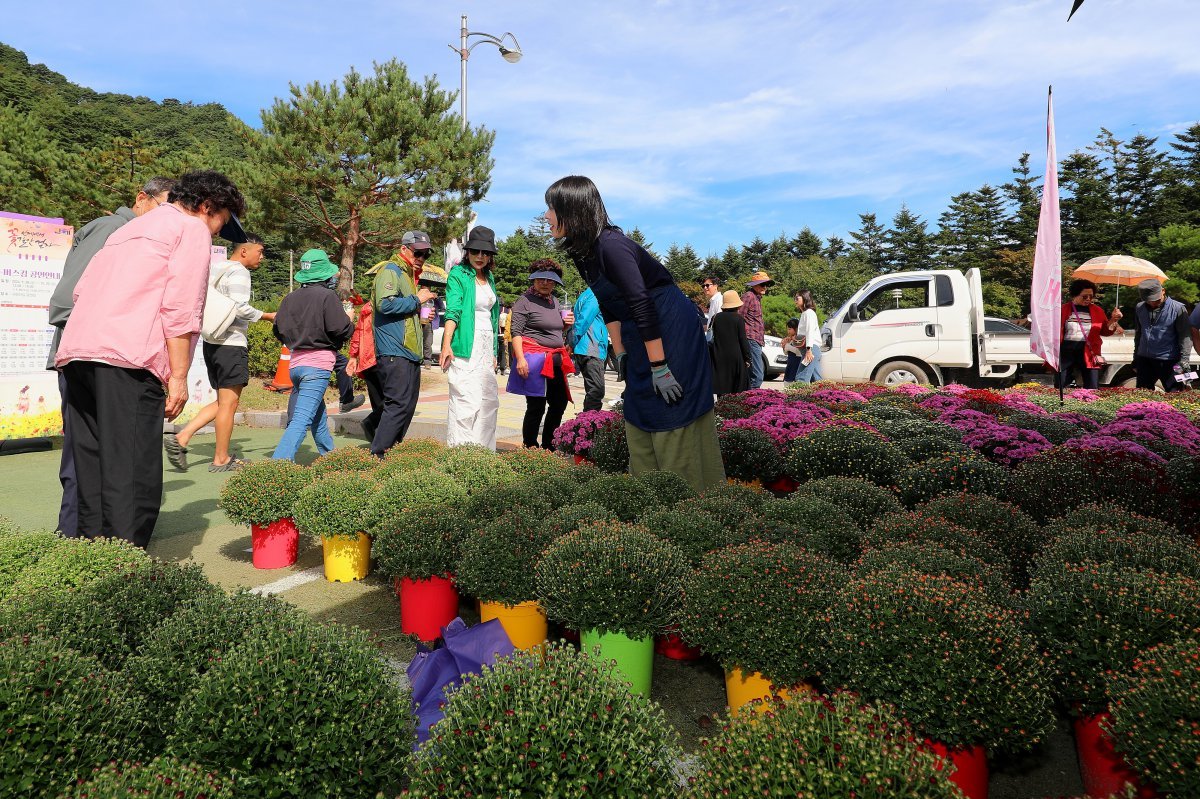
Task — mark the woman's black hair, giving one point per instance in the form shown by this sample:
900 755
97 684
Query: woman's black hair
194 188
806 297
576 202
1079 286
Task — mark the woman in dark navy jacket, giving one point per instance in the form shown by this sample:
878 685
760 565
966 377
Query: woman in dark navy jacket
656 332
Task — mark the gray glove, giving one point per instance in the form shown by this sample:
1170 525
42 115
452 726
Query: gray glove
665 384
620 360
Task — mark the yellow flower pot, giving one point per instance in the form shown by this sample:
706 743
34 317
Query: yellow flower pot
346 559
525 623
741 689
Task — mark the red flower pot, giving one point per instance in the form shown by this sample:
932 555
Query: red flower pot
970 767
581 459
782 485
670 645
1103 769
274 545
426 606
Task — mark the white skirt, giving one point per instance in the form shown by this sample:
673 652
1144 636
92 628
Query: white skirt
474 396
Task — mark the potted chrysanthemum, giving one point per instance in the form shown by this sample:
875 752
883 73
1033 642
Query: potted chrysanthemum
262 495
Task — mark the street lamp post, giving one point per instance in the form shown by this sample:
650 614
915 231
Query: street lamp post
511 54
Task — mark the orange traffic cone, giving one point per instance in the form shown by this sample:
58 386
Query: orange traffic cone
283 379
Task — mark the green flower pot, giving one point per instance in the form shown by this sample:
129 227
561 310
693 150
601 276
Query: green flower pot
634 656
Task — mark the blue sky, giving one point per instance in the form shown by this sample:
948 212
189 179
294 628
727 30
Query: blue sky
701 122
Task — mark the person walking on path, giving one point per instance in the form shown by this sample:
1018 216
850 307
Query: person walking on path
751 311
730 347
313 325
712 290
1161 339
226 357
137 315
87 242
504 337
399 340
469 344
1083 323
361 363
656 332
540 325
591 348
808 335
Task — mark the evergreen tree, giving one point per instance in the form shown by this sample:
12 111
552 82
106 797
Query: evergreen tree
755 254
1146 173
909 243
869 243
1183 192
971 229
1088 209
359 163
683 263
805 244
835 248
637 235
1025 205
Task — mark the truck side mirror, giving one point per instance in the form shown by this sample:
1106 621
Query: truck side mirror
852 313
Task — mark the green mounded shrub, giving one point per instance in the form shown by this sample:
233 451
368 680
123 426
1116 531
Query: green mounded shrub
1049 482
262 492
563 726
623 494
1002 524
66 565
749 454
161 778
410 455
610 448
815 524
939 561
345 459
474 468
571 517
762 607
1184 474
961 669
862 499
878 411
1062 478
534 497
535 462
332 507
404 493
178 651
728 511
1156 717
308 711
421 543
917 528
927 448
667 487
262 349
61 715
751 497
611 578
1096 617
900 430
838 451
952 474
1169 554
496 562
694 532
415 447
110 617
815 746
1110 517
9 527
19 551
1057 431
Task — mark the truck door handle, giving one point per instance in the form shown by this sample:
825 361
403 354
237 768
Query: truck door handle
929 331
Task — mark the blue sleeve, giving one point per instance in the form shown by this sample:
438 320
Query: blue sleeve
399 305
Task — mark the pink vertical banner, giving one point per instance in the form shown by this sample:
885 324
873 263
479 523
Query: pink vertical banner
1045 300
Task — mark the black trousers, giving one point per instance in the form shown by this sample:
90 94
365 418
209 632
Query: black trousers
502 356
1152 370
1070 357
400 380
345 382
592 370
116 421
551 406
370 422
68 509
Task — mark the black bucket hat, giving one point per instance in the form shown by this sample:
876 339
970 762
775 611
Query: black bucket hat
482 239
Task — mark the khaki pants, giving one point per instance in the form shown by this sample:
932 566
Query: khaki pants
692 452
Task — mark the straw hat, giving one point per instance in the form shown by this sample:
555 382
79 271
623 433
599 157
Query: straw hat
730 300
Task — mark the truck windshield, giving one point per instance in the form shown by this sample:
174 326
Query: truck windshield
895 295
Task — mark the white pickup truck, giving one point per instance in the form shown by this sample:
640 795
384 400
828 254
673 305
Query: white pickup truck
929 327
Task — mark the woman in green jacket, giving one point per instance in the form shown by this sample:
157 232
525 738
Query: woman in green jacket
469 344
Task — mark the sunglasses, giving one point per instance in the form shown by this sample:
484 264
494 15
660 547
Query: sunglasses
420 253
707 285
478 252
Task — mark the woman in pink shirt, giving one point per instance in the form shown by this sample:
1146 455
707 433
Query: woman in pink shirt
137 315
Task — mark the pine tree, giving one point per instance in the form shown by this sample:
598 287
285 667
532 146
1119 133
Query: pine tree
870 243
909 243
360 162
1183 192
805 244
835 248
682 263
755 254
1025 205
637 235
1147 172
1088 209
971 229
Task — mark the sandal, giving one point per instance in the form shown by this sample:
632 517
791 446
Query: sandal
231 466
176 452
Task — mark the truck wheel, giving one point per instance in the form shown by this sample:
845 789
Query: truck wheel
894 373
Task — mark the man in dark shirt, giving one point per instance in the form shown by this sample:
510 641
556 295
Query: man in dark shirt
751 311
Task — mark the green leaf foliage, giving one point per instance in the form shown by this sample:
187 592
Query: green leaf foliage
838 451
815 746
559 727
398 496
667 487
815 524
865 501
535 462
938 561
1169 554
695 532
622 494
917 527
19 551
63 566
307 711
611 578
263 491
345 459
962 670
61 715
475 468
571 517
496 562
762 607
610 448
951 474
1002 524
332 507
161 778
1110 517
749 454
421 542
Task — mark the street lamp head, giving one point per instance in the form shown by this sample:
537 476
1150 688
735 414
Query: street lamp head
511 56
